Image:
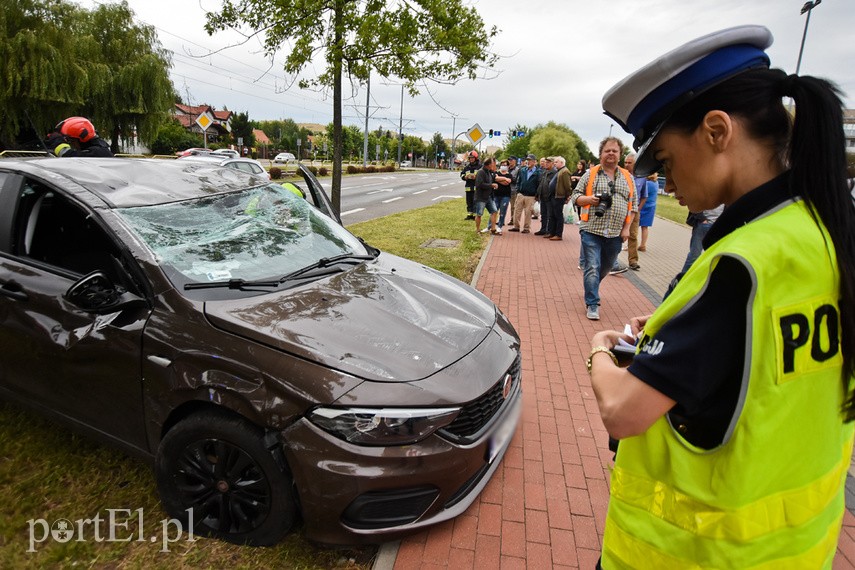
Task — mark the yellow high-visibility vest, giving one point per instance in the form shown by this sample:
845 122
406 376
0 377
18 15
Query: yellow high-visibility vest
771 496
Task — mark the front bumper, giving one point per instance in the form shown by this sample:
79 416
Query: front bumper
353 494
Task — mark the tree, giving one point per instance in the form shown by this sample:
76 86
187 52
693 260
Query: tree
554 141
131 90
438 148
438 40
242 128
58 59
519 145
172 137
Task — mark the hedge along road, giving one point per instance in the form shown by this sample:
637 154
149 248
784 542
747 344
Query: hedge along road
368 196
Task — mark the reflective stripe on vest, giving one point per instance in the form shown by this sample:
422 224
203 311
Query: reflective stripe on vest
589 191
772 494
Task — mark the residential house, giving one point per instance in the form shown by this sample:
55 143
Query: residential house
220 129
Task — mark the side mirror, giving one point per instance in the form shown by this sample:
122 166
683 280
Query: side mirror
94 292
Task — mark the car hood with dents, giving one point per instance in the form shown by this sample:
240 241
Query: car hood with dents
389 320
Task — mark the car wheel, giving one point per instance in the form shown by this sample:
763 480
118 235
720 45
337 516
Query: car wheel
216 464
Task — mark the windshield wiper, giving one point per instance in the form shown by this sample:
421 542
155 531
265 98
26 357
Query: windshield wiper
327 262
231 284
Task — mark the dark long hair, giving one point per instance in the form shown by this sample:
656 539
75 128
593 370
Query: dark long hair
813 147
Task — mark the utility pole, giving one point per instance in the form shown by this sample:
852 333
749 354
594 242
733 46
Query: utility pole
365 139
453 118
401 127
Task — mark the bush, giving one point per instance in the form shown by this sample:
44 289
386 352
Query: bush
351 169
322 171
171 137
389 168
370 169
275 172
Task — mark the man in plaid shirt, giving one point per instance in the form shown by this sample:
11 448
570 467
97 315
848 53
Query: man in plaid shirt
606 194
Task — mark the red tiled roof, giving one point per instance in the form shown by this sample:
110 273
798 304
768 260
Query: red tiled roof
260 136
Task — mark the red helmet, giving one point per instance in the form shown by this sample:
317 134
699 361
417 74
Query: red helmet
473 154
78 128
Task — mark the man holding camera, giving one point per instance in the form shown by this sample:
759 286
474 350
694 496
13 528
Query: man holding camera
606 195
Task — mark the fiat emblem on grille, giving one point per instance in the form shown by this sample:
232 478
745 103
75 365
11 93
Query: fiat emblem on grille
506 387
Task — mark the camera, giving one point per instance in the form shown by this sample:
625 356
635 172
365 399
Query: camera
605 203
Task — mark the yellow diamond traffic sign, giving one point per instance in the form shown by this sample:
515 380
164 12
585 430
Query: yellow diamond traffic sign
475 134
204 120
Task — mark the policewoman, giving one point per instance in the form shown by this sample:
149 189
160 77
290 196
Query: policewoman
735 415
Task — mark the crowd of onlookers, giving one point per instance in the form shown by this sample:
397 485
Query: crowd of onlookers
613 208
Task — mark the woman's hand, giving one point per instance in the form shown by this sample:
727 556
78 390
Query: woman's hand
637 324
609 339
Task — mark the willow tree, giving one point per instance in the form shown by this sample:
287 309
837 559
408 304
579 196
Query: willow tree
38 76
413 40
130 90
57 59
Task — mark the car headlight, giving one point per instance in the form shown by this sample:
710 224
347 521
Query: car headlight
382 426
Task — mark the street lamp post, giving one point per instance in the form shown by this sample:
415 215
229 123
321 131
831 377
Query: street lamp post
806 8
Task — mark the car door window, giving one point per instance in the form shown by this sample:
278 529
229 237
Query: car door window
51 229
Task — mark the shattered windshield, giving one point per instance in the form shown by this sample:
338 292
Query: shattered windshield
257 233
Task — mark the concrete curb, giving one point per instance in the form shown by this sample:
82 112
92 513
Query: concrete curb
386 556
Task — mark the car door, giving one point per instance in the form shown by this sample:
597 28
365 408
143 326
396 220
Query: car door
82 365
316 194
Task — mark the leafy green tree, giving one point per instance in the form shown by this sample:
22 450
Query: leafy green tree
58 60
438 148
129 74
412 145
553 141
283 133
242 128
172 137
518 146
440 40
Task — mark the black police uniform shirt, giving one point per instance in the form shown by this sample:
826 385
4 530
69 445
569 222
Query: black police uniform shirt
702 366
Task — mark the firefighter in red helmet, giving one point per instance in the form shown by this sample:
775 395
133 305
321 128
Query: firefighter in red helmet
76 136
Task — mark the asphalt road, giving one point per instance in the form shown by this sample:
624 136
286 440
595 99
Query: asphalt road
368 196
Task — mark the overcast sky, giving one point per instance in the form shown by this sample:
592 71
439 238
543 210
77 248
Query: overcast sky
559 57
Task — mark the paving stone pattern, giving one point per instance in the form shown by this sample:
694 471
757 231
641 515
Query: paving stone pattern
545 506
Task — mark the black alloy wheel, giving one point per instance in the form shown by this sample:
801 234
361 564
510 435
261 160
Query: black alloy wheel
216 464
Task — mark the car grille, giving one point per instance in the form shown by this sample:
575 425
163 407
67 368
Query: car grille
477 414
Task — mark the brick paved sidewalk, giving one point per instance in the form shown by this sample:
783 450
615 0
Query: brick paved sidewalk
545 506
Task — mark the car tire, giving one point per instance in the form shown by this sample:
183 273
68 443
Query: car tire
217 464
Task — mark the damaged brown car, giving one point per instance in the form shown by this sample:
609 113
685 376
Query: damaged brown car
267 362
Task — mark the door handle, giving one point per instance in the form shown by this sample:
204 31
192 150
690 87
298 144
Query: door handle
13 290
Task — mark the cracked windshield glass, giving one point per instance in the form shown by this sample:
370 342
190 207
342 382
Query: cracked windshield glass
258 233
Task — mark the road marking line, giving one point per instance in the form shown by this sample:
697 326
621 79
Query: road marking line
435 187
378 191
419 192
393 199
441 197
351 211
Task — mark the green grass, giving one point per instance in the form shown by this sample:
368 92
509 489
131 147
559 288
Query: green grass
47 472
669 208
403 234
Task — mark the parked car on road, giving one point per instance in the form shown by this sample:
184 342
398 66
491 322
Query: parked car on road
268 363
248 165
406 164
226 152
190 151
284 158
